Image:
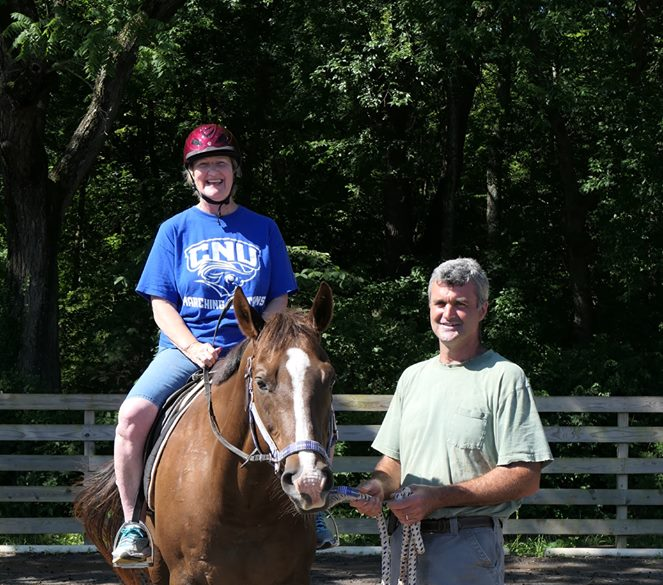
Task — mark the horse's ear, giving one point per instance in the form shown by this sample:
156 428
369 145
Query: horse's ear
248 319
323 307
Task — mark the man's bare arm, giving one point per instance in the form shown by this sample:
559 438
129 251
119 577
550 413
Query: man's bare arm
502 484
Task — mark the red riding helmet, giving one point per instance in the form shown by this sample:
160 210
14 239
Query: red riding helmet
210 139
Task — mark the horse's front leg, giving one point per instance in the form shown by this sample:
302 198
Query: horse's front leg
159 573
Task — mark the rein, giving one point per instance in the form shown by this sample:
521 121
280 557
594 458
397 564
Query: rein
255 455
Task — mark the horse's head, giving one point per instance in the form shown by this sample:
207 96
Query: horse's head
290 380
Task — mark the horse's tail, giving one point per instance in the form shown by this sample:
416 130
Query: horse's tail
99 508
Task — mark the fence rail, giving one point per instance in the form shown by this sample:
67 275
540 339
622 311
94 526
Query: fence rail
91 430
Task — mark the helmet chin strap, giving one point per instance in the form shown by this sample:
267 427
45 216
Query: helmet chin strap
219 203
211 201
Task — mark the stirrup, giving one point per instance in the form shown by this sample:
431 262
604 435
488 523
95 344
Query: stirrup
129 564
333 532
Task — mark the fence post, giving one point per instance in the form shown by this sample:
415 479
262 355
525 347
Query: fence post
88 446
89 450
622 479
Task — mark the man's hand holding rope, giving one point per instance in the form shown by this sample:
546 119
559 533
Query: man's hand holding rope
372 506
415 507
407 506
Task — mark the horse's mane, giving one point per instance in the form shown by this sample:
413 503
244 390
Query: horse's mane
228 365
278 331
281 328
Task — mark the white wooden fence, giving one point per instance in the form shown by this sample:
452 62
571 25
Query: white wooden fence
619 435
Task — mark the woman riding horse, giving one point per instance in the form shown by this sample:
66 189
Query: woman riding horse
246 467
198 258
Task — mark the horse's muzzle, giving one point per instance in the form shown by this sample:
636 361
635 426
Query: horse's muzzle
308 489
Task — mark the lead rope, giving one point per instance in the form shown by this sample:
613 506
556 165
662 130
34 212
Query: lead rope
411 546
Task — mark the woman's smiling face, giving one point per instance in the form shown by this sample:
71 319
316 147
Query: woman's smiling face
214 176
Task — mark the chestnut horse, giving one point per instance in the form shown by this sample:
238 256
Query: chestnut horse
244 468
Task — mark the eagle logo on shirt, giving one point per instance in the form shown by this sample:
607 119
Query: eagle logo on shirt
223 264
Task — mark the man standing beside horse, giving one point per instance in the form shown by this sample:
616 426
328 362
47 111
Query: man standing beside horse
463 435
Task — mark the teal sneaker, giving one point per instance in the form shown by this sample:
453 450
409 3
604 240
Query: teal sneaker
323 536
132 549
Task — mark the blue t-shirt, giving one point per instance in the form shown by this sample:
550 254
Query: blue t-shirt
197 260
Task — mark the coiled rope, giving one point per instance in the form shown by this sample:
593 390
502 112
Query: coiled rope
411 546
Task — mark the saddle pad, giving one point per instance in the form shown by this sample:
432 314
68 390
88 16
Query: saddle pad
170 416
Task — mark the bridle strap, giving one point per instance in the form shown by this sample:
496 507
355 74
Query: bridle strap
255 455
275 456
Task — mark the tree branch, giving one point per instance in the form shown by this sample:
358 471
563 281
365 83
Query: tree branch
89 137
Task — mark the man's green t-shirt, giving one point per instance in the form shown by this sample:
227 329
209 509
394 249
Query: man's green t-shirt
450 423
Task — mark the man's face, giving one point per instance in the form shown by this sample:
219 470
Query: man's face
454 314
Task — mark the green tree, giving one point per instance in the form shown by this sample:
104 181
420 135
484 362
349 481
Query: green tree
43 164
391 135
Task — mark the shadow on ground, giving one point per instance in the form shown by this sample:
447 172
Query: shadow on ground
336 569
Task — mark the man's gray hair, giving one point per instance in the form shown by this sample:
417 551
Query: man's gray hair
459 272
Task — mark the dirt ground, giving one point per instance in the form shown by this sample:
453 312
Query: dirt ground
339 569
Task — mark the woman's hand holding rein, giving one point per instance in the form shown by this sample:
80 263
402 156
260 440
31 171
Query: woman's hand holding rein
202 354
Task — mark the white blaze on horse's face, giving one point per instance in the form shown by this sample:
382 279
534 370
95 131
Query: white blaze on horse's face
309 479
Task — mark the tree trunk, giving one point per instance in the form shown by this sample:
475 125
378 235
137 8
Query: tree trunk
33 282
398 194
33 211
493 192
497 142
577 241
34 198
578 244
639 38
460 87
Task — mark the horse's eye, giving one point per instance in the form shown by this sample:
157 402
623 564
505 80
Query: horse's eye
262 384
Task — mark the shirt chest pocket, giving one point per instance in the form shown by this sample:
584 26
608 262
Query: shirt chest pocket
467 428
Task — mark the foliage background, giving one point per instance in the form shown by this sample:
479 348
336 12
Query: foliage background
384 138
